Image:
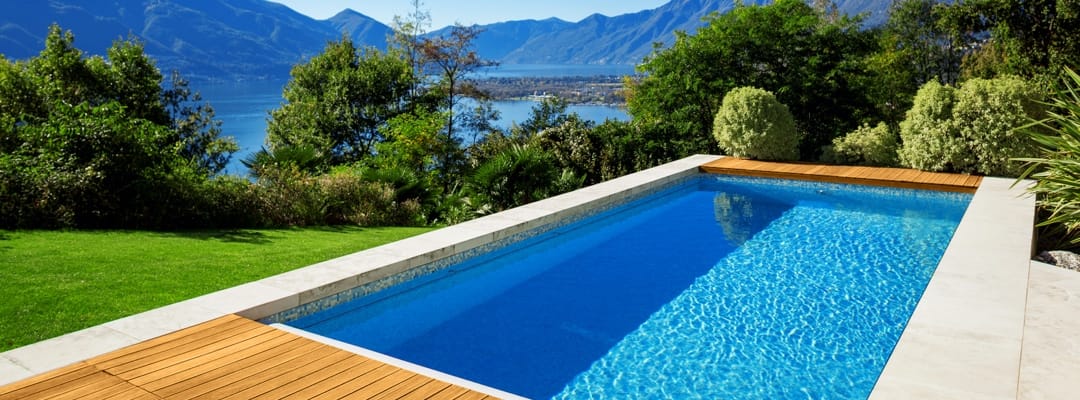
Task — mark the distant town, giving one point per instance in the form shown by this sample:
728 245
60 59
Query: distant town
598 90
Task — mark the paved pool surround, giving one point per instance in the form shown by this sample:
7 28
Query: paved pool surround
963 341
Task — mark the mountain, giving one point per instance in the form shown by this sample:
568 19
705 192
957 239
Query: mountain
360 28
222 39
258 39
622 39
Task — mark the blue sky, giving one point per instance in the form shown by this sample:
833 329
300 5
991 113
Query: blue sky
447 12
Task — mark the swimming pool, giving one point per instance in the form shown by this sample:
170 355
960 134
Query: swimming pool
717 287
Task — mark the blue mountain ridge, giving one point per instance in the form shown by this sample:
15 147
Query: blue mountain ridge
259 39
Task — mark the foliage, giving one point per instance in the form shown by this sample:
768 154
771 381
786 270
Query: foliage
97 142
972 129
751 123
918 44
810 62
1055 169
452 58
289 197
339 100
866 145
520 175
1027 37
930 141
56 282
575 147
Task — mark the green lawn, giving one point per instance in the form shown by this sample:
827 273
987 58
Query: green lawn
55 282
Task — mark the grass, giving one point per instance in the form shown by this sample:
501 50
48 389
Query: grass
56 282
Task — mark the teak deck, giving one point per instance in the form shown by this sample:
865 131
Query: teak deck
892 177
236 358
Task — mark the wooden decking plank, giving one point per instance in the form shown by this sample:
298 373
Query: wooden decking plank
183 345
377 387
353 367
166 359
301 378
191 334
347 388
184 361
233 378
403 388
472 396
104 386
63 387
269 378
233 356
877 176
175 342
32 386
431 390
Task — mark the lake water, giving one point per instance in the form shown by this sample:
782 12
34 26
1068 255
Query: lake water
244 106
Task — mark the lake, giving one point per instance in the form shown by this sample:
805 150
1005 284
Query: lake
243 107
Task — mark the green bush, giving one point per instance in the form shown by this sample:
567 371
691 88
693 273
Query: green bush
987 113
1056 170
875 146
931 142
971 129
751 123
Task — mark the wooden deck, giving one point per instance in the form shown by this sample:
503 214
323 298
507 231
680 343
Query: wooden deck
892 177
236 358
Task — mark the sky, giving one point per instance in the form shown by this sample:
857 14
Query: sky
468 12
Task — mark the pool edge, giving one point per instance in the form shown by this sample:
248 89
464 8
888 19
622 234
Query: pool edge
266 297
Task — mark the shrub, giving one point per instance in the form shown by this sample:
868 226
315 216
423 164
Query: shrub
1056 170
517 176
931 141
866 146
751 123
987 113
971 129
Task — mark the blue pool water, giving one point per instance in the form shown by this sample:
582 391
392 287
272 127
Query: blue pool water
719 287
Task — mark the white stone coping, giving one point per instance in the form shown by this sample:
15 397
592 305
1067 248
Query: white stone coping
964 339
269 296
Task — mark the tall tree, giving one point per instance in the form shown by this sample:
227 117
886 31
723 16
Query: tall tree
91 142
1027 37
919 43
812 65
452 58
338 101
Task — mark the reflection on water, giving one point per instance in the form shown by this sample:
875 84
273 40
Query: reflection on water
742 216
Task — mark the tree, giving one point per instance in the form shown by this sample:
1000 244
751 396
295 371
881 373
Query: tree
452 57
919 43
811 64
752 124
91 141
1027 37
338 101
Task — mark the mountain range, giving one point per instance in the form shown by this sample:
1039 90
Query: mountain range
259 39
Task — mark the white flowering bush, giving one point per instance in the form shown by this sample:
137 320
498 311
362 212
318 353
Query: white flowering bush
751 123
866 146
972 129
987 115
931 141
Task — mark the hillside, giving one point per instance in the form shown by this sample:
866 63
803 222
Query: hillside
259 39
219 39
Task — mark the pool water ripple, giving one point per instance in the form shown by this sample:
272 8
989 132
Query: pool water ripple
719 287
